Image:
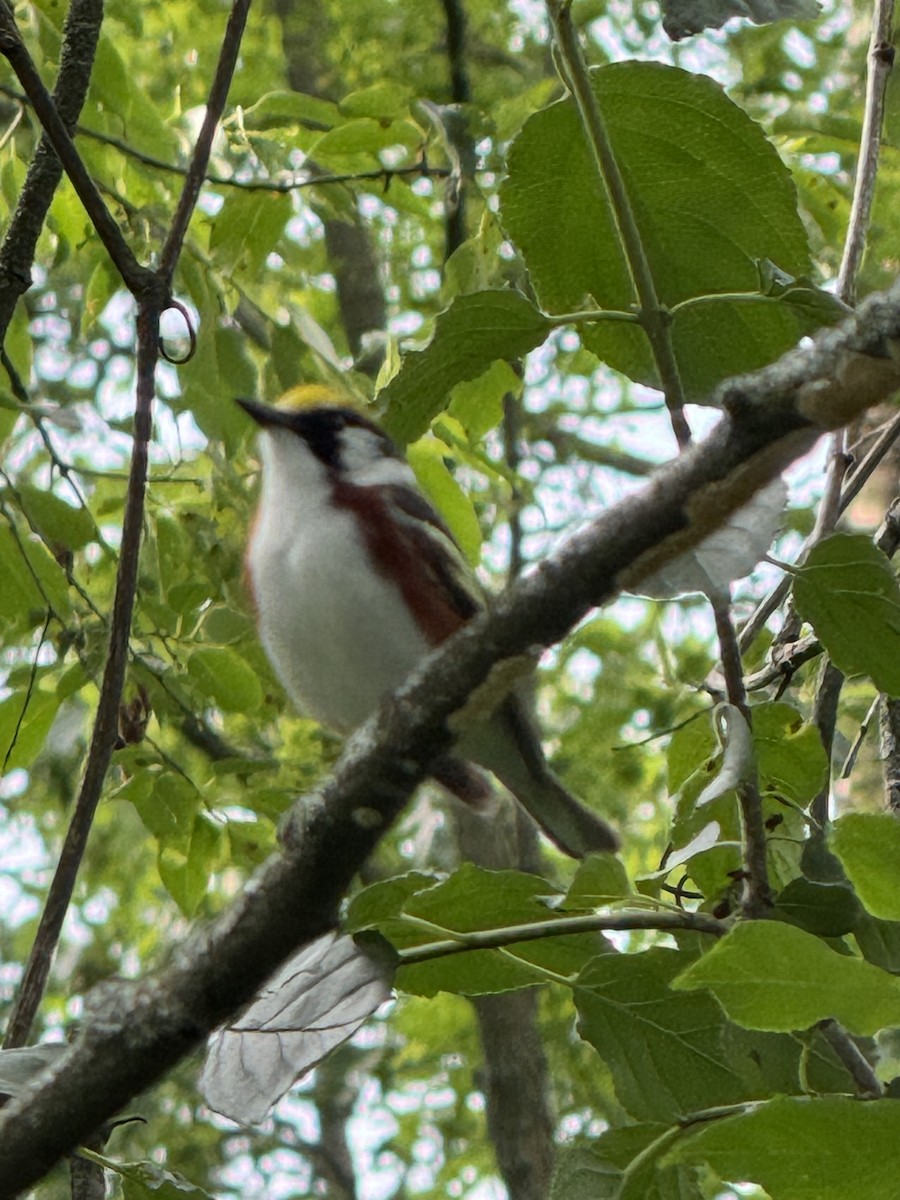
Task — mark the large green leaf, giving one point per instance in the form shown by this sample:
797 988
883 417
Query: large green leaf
868 845
772 976
789 753
226 678
826 1148
247 228
473 333
710 197
61 525
849 594
665 1050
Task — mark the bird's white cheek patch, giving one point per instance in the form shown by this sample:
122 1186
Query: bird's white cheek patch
365 463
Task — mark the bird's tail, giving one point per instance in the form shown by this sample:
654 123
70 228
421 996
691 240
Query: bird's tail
508 746
565 820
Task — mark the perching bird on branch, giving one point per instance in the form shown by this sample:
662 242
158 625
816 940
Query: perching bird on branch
356 578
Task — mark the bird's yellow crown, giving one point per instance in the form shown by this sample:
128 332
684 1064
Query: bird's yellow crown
316 395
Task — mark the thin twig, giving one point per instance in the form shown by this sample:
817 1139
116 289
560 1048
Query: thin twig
512 453
81 32
890 752
29 691
861 734
215 105
868 1085
880 62
291 182
653 316
135 276
825 709
756 898
570 445
862 471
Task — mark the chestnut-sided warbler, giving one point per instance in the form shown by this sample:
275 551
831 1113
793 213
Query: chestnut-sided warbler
355 578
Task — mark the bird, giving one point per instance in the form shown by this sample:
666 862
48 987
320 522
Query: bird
355 578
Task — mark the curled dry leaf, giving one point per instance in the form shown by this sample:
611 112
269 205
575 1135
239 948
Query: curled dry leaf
318 999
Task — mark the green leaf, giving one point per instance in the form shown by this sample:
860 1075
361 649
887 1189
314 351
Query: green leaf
147 1181
847 591
385 899
247 229
771 976
30 579
825 909
789 753
690 158
381 101
868 845
469 901
664 1049
596 1172
185 866
167 804
24 725
224 625
478 404
279 108
426 457
474 332
364 136
826 1148
226 678
600 879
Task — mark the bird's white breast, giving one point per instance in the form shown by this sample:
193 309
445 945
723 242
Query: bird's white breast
337 632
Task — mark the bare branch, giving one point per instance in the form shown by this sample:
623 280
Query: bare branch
135 277
860 1070
79 43
890 752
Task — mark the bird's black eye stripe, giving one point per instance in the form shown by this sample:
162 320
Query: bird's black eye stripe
321 429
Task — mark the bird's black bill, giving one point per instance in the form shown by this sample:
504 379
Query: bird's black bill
265 415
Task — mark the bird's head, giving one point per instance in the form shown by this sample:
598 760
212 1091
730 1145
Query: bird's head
325 422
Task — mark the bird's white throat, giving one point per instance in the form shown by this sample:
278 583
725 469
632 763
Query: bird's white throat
336 630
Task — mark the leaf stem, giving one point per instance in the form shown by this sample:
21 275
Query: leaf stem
653 316
491 939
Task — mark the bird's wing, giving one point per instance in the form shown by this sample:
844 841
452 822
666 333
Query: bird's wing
424 560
